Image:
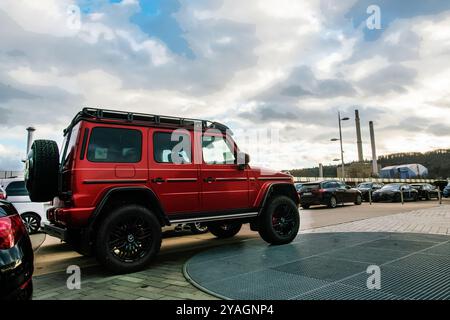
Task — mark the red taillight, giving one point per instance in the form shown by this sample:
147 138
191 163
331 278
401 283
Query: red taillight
2 196
11 230
322 190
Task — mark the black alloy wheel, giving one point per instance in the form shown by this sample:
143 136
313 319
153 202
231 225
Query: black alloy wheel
130 240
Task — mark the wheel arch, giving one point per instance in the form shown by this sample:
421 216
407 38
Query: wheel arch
274 189
130 195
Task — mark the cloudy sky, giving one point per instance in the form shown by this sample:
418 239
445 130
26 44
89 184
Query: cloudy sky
283 65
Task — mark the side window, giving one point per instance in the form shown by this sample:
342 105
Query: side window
216 150
328 185
171 148
16 188
115 145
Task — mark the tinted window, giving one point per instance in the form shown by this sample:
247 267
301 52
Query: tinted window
329 185
115 145
171 148
7 210
310 187
16 188
216 150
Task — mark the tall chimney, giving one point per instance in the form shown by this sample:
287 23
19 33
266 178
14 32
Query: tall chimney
31 131
374 151
358 137
320 170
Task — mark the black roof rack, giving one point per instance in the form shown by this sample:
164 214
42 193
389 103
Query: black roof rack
144 118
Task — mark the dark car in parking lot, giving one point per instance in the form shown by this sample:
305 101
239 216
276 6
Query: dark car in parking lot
367 187
298 186
16 256
426 191
392 192
329 193
446 192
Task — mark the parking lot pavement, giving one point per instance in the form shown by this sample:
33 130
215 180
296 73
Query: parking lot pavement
434 220
164 278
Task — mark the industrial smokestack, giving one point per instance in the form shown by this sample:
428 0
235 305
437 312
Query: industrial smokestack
374 151
31 131
358 137
320 170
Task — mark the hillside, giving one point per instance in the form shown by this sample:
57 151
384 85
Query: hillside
437 162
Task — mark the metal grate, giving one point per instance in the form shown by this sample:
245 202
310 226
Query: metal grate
327 266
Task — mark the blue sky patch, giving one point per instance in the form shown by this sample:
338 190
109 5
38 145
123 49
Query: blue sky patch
156 20
392 10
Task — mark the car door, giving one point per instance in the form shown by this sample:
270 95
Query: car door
173 175
225 186
341 191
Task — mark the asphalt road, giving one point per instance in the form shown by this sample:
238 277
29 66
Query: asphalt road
52 256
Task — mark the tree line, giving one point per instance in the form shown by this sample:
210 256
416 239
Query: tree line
437 162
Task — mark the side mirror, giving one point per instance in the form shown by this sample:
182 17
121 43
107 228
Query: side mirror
243 160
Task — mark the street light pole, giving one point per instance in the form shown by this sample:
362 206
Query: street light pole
342 144
342 147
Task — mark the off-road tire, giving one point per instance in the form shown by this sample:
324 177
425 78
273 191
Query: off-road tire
133 226
224 229
272 228
41 173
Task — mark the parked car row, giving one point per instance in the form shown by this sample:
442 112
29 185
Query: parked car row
334 192
329 193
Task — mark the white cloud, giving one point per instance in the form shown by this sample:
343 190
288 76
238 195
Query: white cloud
244 57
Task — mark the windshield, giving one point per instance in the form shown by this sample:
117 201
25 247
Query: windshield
391 187
365 185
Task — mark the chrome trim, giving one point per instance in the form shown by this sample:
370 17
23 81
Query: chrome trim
115 181
231 179
216 218
182 180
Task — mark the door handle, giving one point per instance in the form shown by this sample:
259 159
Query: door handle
158 180
209 179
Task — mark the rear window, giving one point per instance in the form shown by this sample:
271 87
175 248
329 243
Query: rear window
16 188
3 213
310 187
115 145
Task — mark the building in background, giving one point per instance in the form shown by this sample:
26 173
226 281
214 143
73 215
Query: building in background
405 171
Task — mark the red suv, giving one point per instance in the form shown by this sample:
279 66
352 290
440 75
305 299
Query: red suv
123 176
